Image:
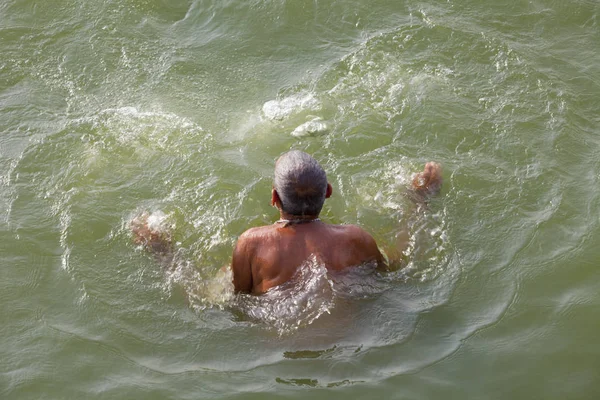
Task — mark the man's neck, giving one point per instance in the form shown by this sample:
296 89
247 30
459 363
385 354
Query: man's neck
286 218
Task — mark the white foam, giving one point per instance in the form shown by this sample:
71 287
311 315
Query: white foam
316 126
156 221
280 109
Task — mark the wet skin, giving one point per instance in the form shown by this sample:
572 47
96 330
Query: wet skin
268 256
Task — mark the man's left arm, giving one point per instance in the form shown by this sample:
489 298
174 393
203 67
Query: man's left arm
241 267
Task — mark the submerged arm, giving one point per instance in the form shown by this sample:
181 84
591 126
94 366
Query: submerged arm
425 184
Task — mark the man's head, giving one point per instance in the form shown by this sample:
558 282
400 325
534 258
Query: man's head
300 184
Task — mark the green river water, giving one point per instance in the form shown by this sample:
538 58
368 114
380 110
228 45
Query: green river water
109 109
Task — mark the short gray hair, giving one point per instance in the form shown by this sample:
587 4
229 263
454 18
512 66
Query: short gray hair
301 183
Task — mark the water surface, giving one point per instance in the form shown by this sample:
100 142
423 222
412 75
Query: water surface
112 108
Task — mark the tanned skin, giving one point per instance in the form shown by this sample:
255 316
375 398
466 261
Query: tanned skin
270 255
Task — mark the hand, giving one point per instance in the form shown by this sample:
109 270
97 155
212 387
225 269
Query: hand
152 236
428 182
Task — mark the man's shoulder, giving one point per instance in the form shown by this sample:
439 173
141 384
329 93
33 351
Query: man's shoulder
362 244
251 239
351 233
350 230
258 232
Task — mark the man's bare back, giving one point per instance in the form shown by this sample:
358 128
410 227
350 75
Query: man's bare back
268 256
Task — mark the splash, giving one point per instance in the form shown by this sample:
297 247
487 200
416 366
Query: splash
301 114
315 126
299 302
311 293
154 232
201 289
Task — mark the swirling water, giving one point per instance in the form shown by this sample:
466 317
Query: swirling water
113 108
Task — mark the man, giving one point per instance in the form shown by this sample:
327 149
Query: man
270 255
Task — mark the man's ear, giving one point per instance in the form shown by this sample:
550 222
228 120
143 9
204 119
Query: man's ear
275 200
329 191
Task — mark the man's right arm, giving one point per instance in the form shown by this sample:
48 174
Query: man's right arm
425 184
241 267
